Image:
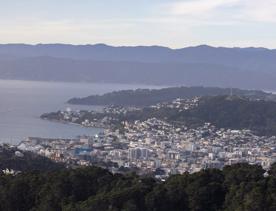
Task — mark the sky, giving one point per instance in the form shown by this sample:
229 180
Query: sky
172 23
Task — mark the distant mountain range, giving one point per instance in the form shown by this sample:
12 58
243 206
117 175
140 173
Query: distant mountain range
192 66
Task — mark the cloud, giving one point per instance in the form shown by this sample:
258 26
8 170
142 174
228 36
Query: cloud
224 10
172 23
261 11
198 7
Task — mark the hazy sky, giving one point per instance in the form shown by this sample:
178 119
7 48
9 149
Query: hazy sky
173 23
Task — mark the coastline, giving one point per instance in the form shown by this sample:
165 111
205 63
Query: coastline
72 123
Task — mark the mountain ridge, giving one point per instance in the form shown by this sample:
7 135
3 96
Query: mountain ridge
203 65
56 50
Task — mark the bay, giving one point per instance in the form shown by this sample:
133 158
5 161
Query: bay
22 103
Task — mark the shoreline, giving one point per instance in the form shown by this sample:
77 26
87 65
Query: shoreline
72 123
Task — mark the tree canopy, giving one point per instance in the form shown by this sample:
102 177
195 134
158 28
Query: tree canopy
236 187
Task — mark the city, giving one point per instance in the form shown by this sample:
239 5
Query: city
161 105
155 146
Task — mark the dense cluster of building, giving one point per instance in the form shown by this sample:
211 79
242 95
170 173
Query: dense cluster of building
159 147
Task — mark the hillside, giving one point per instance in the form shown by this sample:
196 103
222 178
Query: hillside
229 112
12 158
221 111
234 113
146 97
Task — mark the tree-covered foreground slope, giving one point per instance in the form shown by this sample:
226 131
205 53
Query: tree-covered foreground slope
13 159
237 187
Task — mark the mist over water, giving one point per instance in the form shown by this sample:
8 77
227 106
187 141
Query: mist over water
22 102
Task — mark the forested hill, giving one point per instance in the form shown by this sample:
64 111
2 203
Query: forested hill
237 187
229 112
145 97
234 113
13 159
